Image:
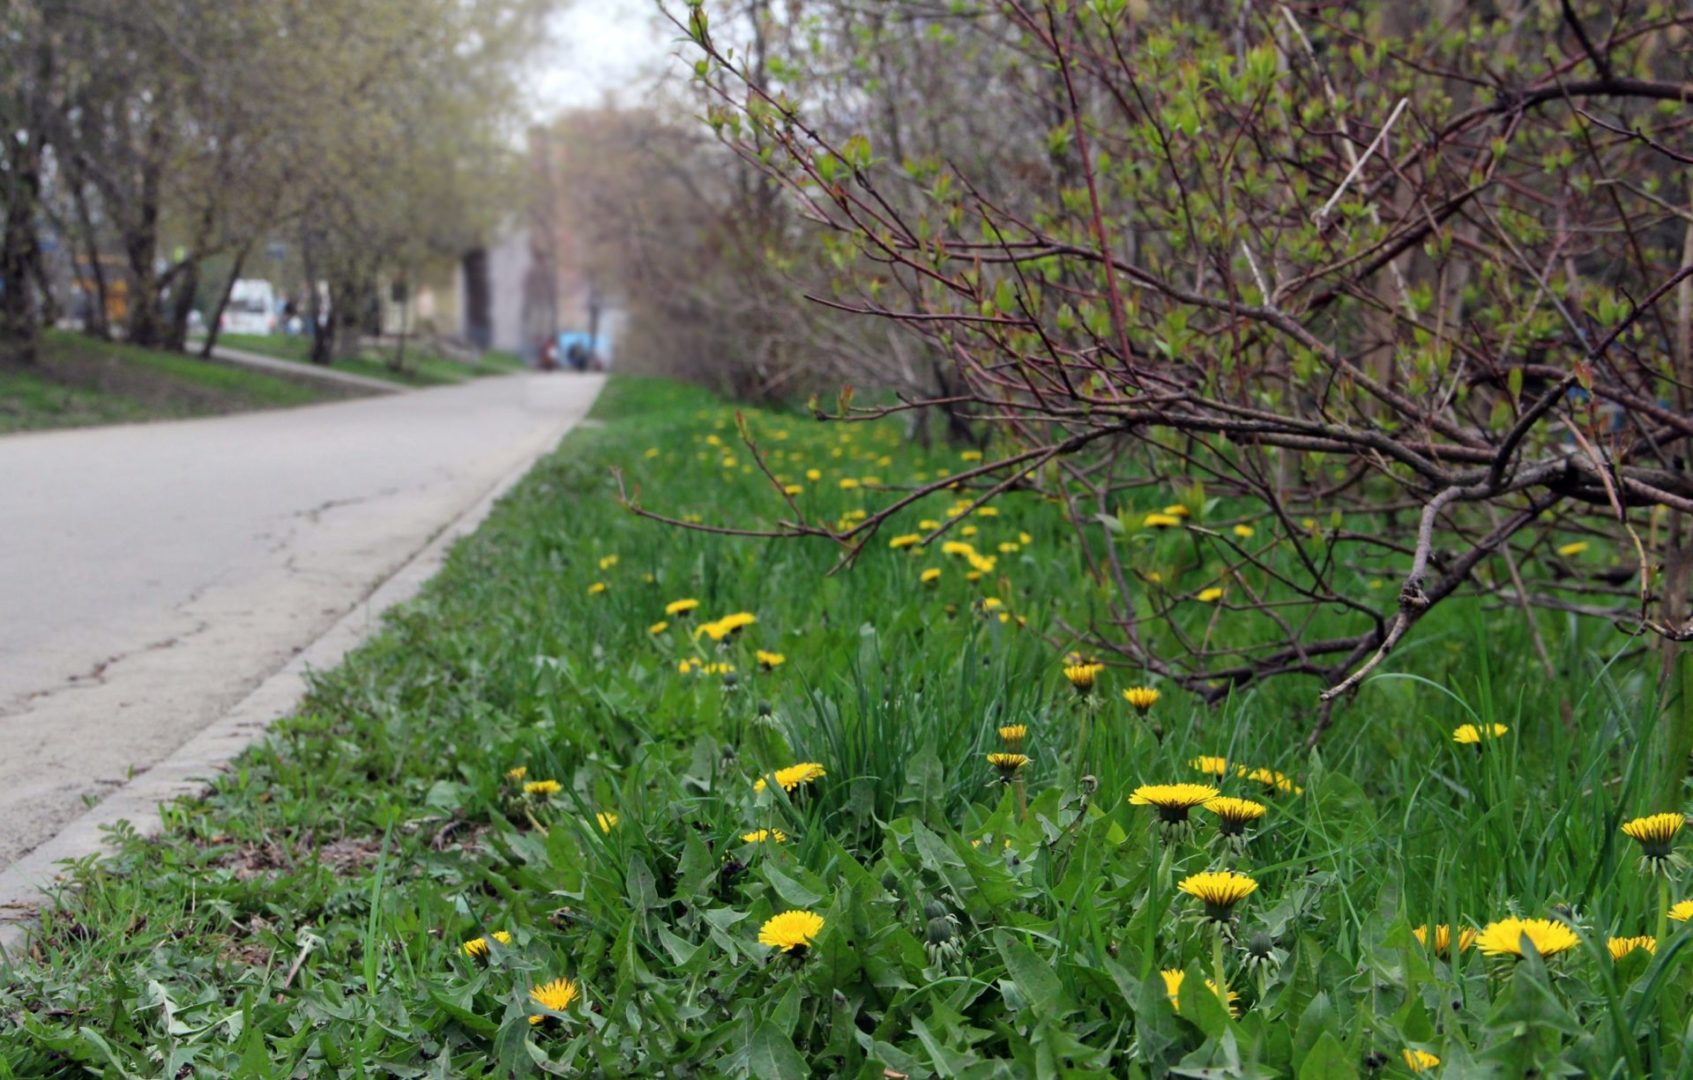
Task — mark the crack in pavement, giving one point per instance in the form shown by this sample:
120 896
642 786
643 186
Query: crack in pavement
97 675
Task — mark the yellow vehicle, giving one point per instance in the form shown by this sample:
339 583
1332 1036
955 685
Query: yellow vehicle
115 274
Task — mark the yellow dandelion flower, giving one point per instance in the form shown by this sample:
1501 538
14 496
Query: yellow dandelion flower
1245 532
555 996
790 931
989 603
1234 815
970 455
906 540
1141 697
968 530
1177 510
1470 735
1506 937
930 576
477 947
1274 782
1682 911
813 475
982 564
1210 765
1209 596
1160 521
542 787
597 588
1082 676
680 607
928 525
1419 1060
760 836
848 483
1576 548
769 660
1219 891
1013 735
658 627
517 773
608 562
606 821
1622 946
793 489
727 626
1656 834
1173 801
1008 764
958 548
652 452
1443 938
1173 986
794 775
686 665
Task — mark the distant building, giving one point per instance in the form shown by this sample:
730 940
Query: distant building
520 288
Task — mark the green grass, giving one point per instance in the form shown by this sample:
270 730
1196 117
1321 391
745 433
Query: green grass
307 917
421 367
79 382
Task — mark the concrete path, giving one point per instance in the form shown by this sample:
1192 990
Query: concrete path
292 370
155 574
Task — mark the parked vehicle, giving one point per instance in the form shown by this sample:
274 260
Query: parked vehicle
251 308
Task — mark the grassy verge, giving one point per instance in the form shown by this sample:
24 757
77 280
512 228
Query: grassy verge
79 382
420 368
538 773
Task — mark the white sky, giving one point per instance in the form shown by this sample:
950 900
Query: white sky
601 47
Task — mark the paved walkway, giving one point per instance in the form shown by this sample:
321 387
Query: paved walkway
296 370
154 574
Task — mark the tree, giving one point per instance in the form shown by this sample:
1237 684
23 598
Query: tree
24 100
1410 285
172 132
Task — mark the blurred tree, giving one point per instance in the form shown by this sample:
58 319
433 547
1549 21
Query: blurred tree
171 132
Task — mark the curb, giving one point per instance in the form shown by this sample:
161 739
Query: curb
302 373
190 769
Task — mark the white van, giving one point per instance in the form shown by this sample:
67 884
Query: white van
251 308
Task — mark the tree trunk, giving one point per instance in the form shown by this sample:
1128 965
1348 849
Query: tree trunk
1677 656
213 327
323 344
141 245
96 324
182 305
323 328
20 325
345 318
399 362
49 304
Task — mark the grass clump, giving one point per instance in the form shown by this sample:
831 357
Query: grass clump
79 382
558 818
418 366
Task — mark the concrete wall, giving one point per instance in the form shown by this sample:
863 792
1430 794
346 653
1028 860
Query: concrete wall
508 266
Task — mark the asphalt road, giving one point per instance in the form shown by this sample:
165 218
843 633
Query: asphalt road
151 575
